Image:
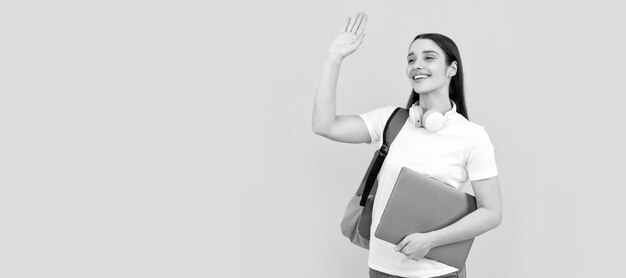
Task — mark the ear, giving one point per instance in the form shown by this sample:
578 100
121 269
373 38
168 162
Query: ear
452 69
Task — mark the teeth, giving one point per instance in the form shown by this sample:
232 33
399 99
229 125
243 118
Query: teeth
419 76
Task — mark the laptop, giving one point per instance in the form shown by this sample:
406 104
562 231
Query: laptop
422 204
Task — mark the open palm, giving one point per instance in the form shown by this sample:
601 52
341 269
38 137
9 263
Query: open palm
350 36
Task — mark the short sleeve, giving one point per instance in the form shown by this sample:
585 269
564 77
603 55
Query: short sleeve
481 162
375 121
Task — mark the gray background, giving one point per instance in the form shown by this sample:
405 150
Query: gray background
173 138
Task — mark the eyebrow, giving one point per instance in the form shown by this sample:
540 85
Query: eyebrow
425 51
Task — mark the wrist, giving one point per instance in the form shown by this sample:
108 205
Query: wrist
334 59
433 239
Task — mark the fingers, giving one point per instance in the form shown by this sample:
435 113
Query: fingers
347 25
357 22
353 24
362 23
401 245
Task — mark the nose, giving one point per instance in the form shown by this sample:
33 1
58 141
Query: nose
416 66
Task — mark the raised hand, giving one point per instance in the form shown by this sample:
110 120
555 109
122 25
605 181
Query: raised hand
350 36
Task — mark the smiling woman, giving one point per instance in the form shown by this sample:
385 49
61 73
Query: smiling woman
438 141
437 57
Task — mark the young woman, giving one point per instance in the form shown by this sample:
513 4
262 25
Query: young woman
440 142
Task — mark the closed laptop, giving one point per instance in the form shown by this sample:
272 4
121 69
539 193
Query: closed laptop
422 204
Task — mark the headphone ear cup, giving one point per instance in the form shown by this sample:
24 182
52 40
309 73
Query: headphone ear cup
433 120
415 114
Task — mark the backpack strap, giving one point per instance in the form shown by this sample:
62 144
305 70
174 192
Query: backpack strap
392 128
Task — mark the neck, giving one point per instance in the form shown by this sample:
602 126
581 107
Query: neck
439 102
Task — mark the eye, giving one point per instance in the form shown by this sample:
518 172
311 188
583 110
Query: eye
430 58
410 60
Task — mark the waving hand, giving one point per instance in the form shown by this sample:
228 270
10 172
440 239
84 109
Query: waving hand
350 36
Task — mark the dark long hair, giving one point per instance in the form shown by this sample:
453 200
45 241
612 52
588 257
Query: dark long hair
456 90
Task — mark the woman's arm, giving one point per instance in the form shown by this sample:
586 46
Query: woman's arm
487 216
325 122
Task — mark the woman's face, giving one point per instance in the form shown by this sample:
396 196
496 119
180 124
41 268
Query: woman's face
426 67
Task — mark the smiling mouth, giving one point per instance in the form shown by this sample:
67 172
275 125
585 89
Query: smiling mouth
420 77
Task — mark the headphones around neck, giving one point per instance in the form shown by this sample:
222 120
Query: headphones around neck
431 120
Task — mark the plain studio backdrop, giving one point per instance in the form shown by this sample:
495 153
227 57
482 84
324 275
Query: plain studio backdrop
173 138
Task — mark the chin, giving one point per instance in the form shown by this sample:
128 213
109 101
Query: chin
426 89
422 90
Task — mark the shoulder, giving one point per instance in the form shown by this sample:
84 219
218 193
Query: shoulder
479 136
380 113
388 109
468 127
376 119
472 133
476 128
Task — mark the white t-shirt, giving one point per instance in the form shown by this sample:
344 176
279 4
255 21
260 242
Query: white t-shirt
459 151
